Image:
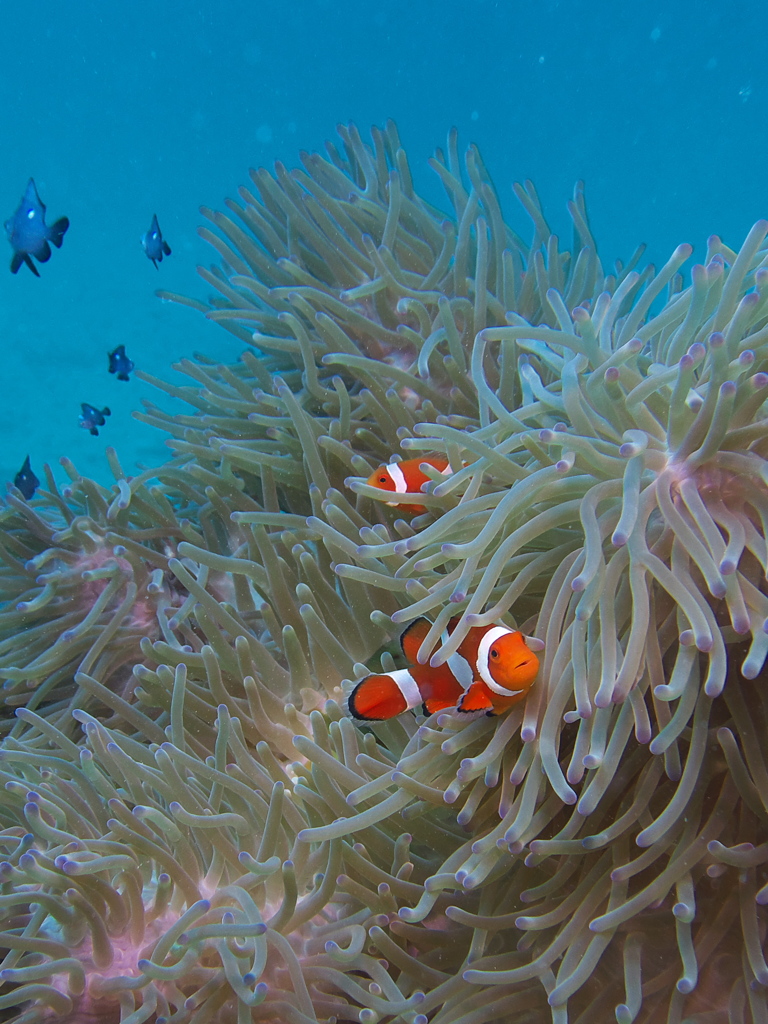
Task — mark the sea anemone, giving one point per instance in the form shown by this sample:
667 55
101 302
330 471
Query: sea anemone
141 882
600 849
83 579
369 299
608 491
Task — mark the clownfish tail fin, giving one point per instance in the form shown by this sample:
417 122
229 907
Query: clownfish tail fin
378 698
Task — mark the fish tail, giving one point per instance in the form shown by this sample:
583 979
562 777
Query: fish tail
380 697
58 231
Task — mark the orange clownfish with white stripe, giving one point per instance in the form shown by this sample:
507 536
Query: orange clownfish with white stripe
407 477
492 669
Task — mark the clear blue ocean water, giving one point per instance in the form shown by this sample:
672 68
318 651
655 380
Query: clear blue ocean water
120 110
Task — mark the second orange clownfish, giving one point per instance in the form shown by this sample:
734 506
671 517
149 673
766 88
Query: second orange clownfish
407 477
492 669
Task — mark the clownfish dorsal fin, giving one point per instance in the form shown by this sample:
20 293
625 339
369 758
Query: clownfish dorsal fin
413 636
475 699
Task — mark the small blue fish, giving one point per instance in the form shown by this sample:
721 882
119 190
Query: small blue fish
29 234
154 245
26 481
91 418
119 363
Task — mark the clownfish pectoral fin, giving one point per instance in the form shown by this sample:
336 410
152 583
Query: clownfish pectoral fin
433 704
475 699
413 636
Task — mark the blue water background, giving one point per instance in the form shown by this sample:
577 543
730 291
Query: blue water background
120 110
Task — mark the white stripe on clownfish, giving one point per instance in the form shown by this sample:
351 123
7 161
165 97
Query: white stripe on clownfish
408 686
398 479
458 664
483 660
461 669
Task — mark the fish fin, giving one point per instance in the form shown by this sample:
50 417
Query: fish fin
58 230
44 253
16 260
105 411
433 704
476 698
31 265
166 249
94 431
375 699
155 263
412 637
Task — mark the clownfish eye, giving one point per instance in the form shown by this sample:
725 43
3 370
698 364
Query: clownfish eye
494 653
383 479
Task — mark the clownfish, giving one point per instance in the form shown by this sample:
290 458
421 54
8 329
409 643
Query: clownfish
407 477
492 669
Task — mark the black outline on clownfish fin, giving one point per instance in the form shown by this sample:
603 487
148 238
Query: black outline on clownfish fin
437 704
477 687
